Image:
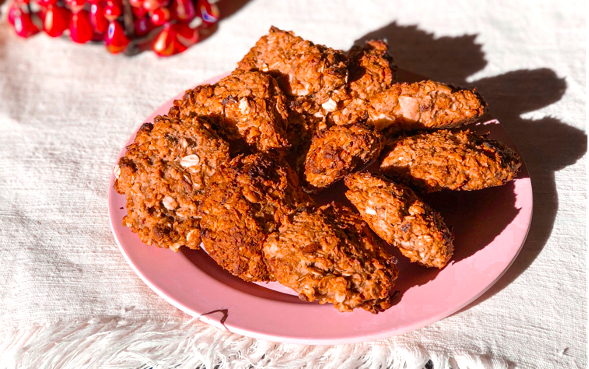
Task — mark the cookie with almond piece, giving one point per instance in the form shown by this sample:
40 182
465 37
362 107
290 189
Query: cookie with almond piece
301 67
371 71
338 151
423 105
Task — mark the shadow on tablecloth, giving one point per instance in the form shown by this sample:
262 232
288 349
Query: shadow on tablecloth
547 144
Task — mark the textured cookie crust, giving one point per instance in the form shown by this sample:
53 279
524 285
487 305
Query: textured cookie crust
304 119
331 256
399 217
454 161
163 175
301 67
370 69
243 105
423 105
339 150
244 202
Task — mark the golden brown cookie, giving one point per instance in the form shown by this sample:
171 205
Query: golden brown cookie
401 218
339 150
301 67
163 175
371 69
245 202
440 160
331 256
423 105
243 105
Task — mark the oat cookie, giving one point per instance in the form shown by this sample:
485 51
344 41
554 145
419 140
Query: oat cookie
423 105
163 175
371 69
301 67
331 256
243 105
402 219
242 205
434 161
339 150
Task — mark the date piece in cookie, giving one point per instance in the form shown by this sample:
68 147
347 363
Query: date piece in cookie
243 203
423 105
331 256
439 160
400 218
301 67
339 150
243 105
163 175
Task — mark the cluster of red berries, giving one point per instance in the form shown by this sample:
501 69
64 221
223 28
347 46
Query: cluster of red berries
168 26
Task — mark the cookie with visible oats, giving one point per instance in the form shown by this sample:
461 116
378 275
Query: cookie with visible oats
331 256
445 160
371 71
242 205
423 105
163 175
401 218
246 105
301 67
338 151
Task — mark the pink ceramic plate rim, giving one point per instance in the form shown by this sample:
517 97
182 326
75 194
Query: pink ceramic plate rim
209 297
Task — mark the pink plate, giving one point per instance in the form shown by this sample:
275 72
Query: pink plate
490 227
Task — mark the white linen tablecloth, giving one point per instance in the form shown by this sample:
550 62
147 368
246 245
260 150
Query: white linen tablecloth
68 299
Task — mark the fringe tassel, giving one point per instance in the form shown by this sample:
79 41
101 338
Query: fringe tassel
118 343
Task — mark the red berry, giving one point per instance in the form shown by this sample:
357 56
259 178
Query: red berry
76 2
116 40
80 28
46 3
42 11
22 22
186 36
174 39
142 26
208 12
151 5
13 13
183 10
136 3
56 21
160 16
163 44
75 5
139 12
97 18
112 12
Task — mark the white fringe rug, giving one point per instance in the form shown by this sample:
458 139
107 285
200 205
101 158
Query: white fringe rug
117 343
